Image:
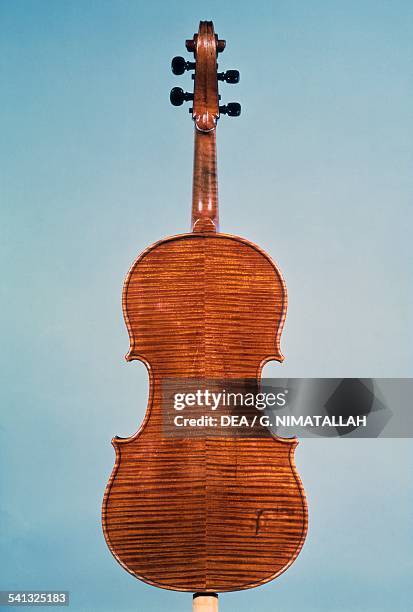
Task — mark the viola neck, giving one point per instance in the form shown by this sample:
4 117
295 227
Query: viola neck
205 183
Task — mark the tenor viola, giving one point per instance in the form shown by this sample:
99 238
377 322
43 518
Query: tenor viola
218 513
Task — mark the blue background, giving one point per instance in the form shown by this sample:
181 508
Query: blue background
96 165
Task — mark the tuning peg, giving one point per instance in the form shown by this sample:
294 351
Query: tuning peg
232 109
230 76
179 65
178 96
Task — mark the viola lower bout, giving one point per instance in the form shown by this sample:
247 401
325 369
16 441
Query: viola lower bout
205 515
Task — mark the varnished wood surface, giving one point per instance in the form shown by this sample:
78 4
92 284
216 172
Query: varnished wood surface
205 183
215 514
205 114
206 105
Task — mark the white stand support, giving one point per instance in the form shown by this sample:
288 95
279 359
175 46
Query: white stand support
205 602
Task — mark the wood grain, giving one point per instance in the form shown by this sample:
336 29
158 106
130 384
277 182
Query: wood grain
205 183
205 514
205 110
205 114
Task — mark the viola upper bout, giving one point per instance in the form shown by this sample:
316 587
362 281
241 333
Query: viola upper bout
218 300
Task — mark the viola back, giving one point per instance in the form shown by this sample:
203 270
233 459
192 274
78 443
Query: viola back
204 513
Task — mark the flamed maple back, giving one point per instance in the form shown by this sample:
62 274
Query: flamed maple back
203 514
